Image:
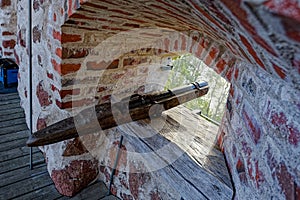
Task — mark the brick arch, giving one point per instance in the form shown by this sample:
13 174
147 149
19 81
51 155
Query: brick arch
233 40
254 44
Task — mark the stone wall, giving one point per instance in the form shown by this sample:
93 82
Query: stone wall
8 28
253 44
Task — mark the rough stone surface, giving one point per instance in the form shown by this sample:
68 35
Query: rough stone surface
75 176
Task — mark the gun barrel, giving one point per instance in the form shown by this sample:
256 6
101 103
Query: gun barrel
111 115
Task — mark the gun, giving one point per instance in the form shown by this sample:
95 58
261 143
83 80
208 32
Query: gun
109 115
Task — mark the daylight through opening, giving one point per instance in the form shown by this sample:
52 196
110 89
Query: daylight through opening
187 69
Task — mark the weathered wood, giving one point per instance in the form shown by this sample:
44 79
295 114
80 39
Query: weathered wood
14 136
11 123
12 144
36 183
110 115
11 116
11 111
187 150
6 97
23 173
47 192
9 106
14 128
16 153
17 181
10 101
17 163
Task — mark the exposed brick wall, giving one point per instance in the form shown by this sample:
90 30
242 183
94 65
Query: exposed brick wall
254 45
8 28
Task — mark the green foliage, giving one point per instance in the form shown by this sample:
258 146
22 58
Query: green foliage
188 69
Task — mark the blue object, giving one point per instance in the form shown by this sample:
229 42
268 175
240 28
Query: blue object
8 72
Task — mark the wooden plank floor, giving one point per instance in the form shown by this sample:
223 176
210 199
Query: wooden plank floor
17 181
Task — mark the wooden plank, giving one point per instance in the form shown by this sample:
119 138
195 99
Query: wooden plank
13 144
5 97
10 106
184 150
12 129
16 153
14 136
10 101
11 111
47 192
23 173
12 122
12 116
29 185
19 162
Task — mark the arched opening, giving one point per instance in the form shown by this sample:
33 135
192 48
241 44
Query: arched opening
187 69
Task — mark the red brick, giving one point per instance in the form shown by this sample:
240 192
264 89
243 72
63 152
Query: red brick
211 55
4 33
251 123
43 96
292 29
236 73
36 5
5 3
259 177
221 64
167 44
176 45
70 12
294 135
240 167
8 53
36 34
56 35
58 52
231 91
49 75
41 124
53 88
64 93
286 181
278 119
251 51
69 68
70 38
297 192
94 65
199 51
208 16
75 148
9 44
183 43
285 8
56 66
229 73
